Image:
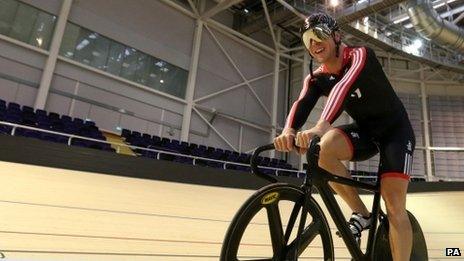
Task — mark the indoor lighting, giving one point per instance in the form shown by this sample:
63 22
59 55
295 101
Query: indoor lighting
414 47
82 44
334 3
39 40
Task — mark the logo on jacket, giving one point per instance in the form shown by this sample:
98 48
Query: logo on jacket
356 94
354 134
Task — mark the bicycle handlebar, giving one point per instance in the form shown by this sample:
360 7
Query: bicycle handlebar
254 163
312 157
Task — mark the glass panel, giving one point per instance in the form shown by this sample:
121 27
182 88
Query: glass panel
43 30
8 10
153 79
143 69
105 54
175 80
83 52
68 44
23 23
129 65
115 58
100 47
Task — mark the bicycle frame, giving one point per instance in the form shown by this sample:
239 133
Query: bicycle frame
320 178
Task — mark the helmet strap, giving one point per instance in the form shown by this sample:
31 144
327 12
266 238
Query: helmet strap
337 45
311 68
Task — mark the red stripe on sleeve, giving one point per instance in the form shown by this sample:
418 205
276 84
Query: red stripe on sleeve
304 91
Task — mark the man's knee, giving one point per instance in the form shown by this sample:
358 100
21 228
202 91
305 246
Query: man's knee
396 210
333 146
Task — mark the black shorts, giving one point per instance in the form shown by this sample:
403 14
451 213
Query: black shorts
396 150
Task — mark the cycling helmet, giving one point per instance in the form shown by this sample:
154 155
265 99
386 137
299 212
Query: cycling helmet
319 27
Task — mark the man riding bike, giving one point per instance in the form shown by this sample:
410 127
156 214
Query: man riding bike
353 80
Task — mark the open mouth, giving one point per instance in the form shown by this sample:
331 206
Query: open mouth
318 51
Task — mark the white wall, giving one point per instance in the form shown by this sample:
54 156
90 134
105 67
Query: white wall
159 30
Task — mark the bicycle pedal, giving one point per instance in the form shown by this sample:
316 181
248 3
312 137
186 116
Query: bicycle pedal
338 234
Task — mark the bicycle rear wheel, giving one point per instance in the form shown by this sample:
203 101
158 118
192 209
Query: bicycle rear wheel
271 199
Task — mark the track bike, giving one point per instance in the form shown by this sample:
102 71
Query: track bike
312 222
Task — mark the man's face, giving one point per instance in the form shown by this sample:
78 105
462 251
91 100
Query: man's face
322 50
320 43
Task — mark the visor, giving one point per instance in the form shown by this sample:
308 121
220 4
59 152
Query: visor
318 33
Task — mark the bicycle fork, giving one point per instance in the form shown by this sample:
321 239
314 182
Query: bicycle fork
304 214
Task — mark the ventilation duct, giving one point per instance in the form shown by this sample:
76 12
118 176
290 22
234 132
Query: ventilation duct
428 23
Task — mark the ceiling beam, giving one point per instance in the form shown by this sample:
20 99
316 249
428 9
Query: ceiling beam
221 6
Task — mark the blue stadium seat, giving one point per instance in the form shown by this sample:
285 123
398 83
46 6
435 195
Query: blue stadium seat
27 133
40 112
5 129
66 118
2 105
53 116
78 122
89 123
217 154
126 133
14 107
244 158
28 109
265 162
13 118
155 140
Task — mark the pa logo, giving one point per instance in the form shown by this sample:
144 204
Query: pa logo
452 251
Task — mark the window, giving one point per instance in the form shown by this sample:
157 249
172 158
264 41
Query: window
68 44
91 49
8 10
42 32
129 64
23 23
115 58
100 52
26 23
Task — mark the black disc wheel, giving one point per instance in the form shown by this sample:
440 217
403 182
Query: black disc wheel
382 250
265 228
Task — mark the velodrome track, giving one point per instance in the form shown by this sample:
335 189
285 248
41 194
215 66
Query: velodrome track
55 214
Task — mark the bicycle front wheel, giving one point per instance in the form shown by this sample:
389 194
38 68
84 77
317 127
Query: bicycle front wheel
266 225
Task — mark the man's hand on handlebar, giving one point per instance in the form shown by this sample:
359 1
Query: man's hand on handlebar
286 142
303 138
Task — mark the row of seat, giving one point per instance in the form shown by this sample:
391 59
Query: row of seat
216 155
27 116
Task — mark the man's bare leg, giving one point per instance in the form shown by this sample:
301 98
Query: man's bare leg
334 150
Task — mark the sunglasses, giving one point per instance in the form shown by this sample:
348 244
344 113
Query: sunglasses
317 33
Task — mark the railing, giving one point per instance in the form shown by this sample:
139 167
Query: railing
298 173
119 145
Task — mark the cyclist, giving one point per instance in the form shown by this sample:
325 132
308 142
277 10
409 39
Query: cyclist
353 80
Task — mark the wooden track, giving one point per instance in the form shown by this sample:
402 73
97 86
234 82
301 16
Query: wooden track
54 214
